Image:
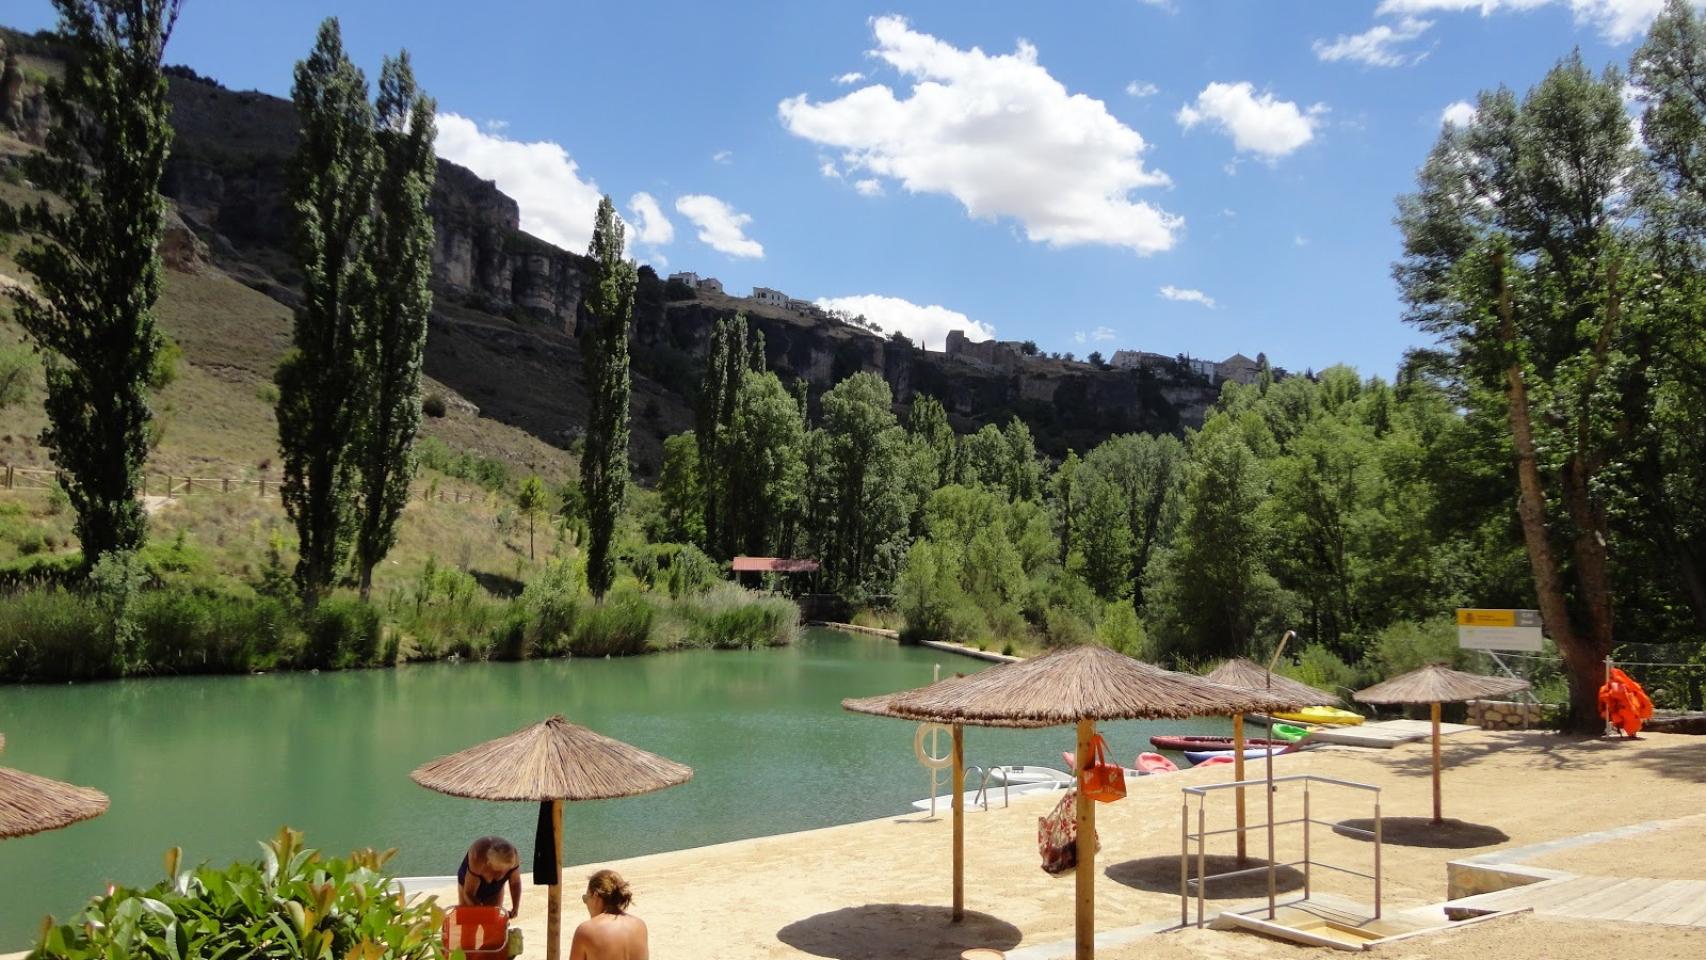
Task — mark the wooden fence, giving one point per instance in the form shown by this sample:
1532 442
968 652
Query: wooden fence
172 486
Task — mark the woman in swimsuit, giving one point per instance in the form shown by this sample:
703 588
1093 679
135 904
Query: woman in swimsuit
490 864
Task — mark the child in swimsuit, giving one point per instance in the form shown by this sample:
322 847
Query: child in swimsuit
490 865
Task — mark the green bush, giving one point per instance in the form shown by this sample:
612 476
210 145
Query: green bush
1403 647
729 617
621 626
1320 668
342 632
552 602
434 406
691 571
185 632
54 634
1120 630
292 904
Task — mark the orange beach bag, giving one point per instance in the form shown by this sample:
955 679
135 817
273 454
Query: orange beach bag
1102 781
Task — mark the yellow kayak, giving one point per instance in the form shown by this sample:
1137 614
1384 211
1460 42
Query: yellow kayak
1326 716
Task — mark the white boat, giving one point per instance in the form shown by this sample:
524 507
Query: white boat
1020 774
997 793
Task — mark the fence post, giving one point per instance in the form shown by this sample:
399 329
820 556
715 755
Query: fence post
226 485
8 476
189 486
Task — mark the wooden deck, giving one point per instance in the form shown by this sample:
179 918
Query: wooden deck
1571 897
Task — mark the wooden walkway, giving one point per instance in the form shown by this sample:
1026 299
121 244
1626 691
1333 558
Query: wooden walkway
1634 899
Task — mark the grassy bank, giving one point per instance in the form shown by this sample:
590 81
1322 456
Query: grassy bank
135 619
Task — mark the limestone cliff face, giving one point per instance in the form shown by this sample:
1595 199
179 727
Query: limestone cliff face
504 330
228 174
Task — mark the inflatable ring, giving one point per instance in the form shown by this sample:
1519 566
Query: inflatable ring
934 763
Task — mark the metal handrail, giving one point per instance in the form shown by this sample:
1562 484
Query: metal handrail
1200 882
983 788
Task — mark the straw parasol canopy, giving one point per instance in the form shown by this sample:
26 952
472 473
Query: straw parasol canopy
1435 684
1247 675
1074 685
31 804
549 763
552 760
1088 682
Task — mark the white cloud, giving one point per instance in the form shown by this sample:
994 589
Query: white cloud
721 227
1260 124
928 326
1135 89
723 156
850 78
1459 114
1102 334
999 134
651 226
1377 46
1618 21
1080 337
1299 240
1187 295
827 168
869 188
557 206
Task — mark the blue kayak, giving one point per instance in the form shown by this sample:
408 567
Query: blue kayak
1198 756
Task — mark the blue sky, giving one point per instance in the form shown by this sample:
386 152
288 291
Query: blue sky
1090 179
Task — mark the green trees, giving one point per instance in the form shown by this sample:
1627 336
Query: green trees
1519 258
349 402
93 262
719 397
766 469
681 490
395 340
332 179
530 499
1126 491
609 305
858 492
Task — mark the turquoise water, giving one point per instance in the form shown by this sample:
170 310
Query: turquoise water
216 764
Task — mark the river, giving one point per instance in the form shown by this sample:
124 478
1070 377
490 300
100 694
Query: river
215 764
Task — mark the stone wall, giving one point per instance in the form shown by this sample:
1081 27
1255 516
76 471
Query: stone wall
1505 714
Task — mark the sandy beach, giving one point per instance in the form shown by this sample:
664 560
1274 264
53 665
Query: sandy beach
880 889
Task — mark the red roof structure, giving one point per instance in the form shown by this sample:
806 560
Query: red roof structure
772 565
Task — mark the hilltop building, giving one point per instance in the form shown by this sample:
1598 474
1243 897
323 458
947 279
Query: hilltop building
697 282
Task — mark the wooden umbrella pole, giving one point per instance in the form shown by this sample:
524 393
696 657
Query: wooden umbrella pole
959 822
1238 774
554 897
1435 712
1085 876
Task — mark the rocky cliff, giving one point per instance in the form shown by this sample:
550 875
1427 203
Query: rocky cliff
504 330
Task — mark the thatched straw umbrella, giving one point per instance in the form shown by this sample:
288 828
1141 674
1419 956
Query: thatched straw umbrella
551 762
31 804
1248 675
1076 685
1434 684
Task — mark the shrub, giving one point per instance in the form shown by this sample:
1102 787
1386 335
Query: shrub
551 603
1404 646
341 632
54 634
691 571
434 405
1063 628
185 632
1121 630
729 617
17 372
619 627
292 904
165 368
1321 668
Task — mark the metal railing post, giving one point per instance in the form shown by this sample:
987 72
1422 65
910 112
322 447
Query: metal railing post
1202 856
1184 860
1377 856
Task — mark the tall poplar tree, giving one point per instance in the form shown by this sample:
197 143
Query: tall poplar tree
332 181
400 258
92 258
609 306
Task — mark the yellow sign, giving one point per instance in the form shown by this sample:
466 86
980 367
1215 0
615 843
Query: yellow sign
1486 618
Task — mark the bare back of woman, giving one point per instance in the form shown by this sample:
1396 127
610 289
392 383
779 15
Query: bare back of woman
610 932
610 936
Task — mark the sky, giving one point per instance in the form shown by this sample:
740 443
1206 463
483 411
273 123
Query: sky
1179 176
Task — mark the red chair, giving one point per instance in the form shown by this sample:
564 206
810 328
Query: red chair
482 933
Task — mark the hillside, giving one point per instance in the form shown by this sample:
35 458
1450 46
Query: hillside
504 325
